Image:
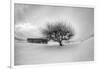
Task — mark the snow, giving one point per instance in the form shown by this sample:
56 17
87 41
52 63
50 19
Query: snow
30 53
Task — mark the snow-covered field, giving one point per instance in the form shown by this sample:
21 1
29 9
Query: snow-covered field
29 53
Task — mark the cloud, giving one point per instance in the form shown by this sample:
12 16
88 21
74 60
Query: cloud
26 30
25 27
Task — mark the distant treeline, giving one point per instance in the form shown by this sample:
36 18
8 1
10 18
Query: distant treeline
37 40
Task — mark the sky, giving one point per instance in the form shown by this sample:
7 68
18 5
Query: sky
30 19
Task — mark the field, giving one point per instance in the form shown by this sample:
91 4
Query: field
30 53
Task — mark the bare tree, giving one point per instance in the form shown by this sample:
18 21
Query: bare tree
58 32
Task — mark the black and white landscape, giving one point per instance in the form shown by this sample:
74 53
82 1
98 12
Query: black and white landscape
52 34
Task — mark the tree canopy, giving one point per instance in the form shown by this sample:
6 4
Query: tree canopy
58 32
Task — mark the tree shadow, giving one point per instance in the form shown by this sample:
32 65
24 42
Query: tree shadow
57 47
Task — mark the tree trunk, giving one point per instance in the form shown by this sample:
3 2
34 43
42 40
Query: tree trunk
60 43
